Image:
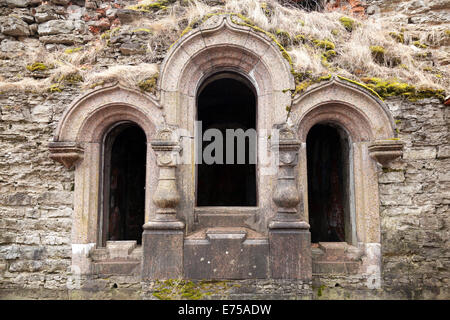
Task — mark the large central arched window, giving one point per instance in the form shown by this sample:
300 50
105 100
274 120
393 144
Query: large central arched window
328 162
124 183
226 103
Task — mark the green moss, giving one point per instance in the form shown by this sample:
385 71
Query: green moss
399 37
335 32
303 85
348 23
175 289
55 88
149 84
37 66
96 84
330 53
72 50
361 85
392 88
320 290
142 30
325 44
71 78
377 53
109 33
283 37
420 45
152 6
299 38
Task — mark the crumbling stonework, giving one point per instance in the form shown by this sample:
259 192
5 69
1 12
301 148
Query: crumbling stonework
37 193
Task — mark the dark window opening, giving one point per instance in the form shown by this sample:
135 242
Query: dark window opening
328 184
124 188
227 103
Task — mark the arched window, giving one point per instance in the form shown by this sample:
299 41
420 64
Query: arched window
227 102
124 183
329 188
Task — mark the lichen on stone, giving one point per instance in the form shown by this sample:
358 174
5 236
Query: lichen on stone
37 66
179 289
393 87
149 84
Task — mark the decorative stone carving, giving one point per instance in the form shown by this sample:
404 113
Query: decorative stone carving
286 195
66 153
384 151
162 240
289 237
166 148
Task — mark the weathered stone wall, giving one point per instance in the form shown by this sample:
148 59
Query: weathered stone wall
36 194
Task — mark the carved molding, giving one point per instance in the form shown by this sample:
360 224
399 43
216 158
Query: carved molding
66 153
384 151
166 147
286 195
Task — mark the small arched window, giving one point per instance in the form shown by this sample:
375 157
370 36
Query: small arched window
329 187
124 183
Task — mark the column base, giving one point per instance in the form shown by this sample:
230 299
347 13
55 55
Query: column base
162 246
290 250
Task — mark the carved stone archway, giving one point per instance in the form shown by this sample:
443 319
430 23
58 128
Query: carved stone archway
371 130
78 143
223 44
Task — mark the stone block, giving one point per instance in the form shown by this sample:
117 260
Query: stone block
55 27
116 268
120 249
162 254
419 154
290 254
226 254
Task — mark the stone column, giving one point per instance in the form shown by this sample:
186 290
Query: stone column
162 239
289 236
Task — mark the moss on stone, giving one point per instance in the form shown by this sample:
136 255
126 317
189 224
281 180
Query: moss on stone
37 66
377 53
72 50
149 84
109 33
302 86
177 289
283 37
96 84
71 78
299 38
142 30
324 44
348 23
362 85
398 36
55 88
151 6
393 88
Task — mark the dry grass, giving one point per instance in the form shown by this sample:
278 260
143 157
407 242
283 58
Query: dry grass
353 59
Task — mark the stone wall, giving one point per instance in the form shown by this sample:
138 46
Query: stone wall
36 194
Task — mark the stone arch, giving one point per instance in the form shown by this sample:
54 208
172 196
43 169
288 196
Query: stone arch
78 142
364 116
373 138
88 116
223 44
220 44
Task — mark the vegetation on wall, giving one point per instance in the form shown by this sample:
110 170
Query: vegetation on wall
316 45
